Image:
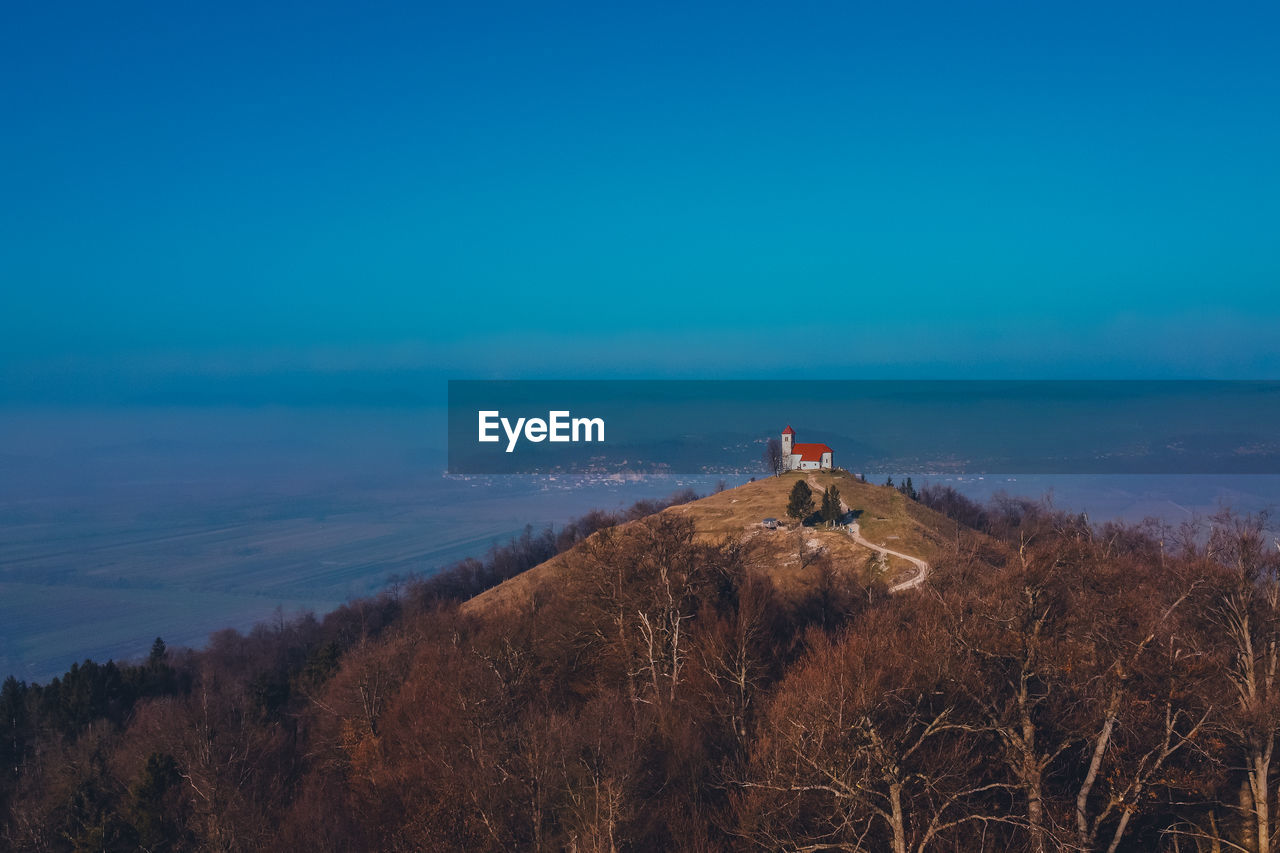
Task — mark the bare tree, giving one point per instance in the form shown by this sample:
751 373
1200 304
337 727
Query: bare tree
1247 615
1006 635
774 460
636 591
733 652
863 748
1130 695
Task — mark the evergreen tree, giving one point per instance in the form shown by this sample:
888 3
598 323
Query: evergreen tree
158 653
13 720
148 810
831 506
800 506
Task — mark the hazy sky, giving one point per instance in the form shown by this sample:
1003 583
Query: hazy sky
294 190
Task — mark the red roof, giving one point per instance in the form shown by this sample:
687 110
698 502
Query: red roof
788 430
810 452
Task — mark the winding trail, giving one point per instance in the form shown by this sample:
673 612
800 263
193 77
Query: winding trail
922 568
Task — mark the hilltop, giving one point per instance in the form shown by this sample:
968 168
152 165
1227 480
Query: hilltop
793 556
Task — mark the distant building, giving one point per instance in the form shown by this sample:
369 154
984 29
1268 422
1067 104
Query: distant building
804 457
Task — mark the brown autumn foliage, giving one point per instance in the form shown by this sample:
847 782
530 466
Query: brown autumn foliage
1055 685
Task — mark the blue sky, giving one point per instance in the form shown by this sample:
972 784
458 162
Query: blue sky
240 190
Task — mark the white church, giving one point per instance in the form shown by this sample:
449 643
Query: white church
803 457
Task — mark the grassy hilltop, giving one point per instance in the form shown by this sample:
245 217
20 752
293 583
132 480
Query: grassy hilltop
794 555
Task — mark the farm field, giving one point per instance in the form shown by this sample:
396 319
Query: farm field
105 584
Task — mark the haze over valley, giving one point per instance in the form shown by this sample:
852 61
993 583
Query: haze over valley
119 525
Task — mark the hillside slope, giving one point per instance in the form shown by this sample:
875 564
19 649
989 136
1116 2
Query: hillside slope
793 556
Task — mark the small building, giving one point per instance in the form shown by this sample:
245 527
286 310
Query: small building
804 457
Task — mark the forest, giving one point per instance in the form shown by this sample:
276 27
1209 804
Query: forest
1056 684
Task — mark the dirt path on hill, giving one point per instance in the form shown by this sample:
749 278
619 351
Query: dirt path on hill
922 568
